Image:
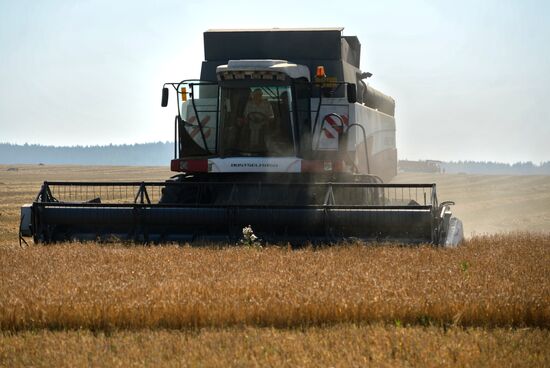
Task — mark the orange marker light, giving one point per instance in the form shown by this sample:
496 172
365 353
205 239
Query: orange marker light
184 94
320 72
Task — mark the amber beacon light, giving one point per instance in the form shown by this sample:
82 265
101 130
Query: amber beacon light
320 72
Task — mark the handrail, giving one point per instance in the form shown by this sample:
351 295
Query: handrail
416 208
167 183
364 139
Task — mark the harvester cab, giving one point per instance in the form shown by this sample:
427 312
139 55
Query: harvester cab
280 132
258 118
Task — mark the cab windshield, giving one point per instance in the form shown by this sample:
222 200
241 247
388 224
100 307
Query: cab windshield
256 121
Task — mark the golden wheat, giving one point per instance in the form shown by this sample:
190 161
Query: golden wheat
336 346
490 281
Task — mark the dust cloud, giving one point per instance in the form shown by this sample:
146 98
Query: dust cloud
489 204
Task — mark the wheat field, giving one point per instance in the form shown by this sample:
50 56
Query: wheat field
485 303
491 281
344 345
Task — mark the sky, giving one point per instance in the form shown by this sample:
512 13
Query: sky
470 78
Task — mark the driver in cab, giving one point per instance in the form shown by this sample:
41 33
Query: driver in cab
258 113
257 104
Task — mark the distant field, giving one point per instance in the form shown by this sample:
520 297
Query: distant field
484 303
489 204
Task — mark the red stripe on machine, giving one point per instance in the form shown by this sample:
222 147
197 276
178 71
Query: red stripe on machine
189 165
333 128
322 166
196 130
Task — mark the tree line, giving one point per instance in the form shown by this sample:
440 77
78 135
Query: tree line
160 154
475 167
139 154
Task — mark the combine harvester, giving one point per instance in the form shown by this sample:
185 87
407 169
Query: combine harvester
281 133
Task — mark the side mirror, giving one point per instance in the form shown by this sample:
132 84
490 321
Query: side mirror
164 101
351 91
366 75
